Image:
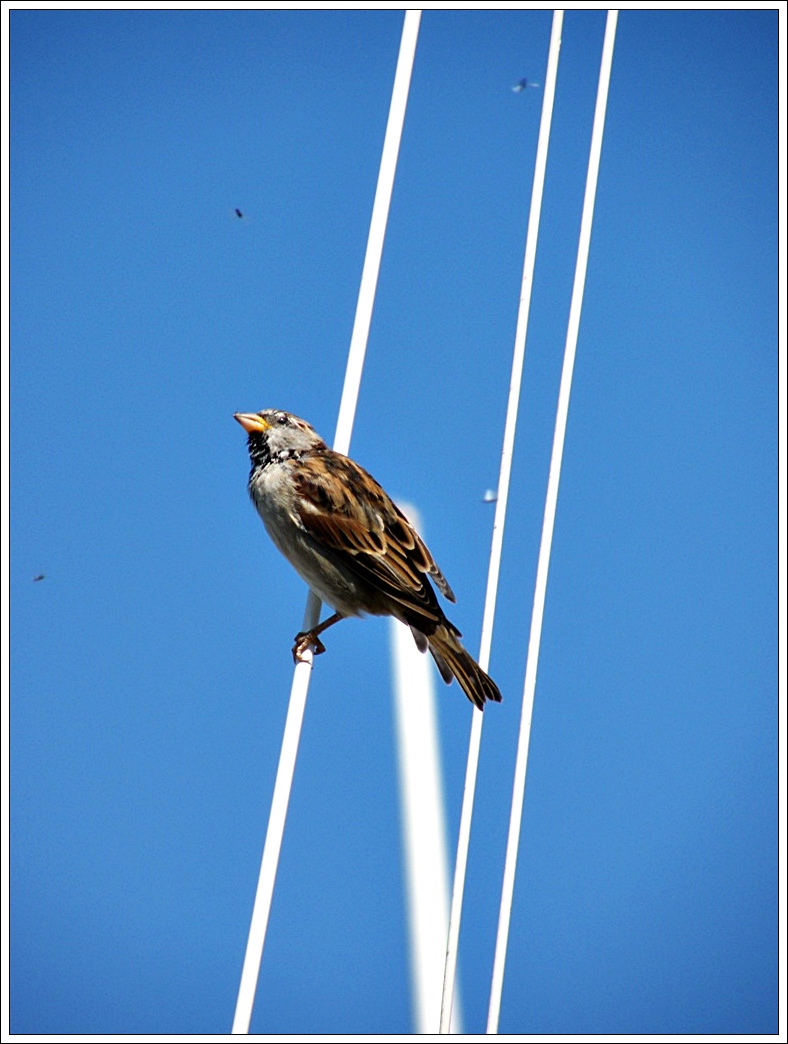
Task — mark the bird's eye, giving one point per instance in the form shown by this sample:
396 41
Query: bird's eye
282 418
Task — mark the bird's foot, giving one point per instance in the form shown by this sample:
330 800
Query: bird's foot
303 641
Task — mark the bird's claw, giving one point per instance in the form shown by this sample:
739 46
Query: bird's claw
303 641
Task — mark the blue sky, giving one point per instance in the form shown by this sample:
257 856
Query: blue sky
150 668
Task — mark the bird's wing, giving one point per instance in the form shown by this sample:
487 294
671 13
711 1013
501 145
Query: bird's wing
366 528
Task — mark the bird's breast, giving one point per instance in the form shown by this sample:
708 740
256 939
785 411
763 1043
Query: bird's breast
320 566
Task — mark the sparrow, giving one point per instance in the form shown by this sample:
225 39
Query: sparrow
351 543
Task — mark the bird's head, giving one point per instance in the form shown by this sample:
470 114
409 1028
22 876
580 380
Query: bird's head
276 435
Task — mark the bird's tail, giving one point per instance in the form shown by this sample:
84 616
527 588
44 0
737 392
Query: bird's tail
454 661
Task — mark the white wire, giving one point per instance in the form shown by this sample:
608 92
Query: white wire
548 525
532 236
347 409
377 231
276 826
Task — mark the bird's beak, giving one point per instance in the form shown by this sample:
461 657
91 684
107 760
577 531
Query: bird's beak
251 422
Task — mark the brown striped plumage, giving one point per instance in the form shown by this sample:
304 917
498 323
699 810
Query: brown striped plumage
351 543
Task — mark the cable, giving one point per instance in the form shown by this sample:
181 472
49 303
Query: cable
548 524
347 409
510 425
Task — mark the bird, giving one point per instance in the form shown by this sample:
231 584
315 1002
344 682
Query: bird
38 578
350 542
238 213
521 85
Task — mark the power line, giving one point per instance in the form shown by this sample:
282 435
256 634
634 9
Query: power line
551 500
518 357
347 410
